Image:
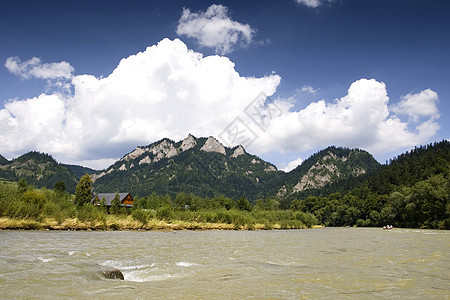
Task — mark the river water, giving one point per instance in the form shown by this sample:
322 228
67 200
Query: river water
327 263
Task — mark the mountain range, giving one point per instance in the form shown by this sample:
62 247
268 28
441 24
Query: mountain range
202 166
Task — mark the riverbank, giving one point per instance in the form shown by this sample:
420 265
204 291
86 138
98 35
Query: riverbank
128 223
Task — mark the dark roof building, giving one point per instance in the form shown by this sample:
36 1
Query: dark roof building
125 199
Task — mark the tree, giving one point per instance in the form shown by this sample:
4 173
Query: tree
83 192
243 204
115 204
60 187
22 186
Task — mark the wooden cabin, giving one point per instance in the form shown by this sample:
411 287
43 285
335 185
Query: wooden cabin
126 200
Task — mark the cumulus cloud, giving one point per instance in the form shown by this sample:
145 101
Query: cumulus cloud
292 165
165 91
418 105
170 91
359 119
35 68
308 89
309 3
214 29
31 124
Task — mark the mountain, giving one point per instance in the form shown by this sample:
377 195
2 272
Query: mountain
39 170
3 161
79 171
332 165
411 167
202 166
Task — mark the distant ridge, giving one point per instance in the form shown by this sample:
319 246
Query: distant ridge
333 164
206 168
202 166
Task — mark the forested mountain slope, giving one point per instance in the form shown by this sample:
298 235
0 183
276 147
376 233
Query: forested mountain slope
202 166
39 170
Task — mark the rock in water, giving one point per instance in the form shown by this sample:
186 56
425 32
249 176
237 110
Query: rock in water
113 274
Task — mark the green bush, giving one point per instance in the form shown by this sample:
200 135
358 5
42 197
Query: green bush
90 213
164 213
142 215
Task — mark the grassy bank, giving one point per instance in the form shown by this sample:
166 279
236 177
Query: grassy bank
128 223
23 207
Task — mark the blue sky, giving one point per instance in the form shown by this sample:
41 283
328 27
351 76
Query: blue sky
368 74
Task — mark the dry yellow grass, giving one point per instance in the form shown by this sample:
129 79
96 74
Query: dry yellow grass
113 222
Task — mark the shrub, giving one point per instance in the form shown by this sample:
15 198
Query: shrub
164 213
89 213
142 215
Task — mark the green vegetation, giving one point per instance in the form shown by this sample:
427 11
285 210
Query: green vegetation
412 190
22 206
39 170
83 192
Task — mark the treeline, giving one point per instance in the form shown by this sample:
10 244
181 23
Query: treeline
412 190
20 201
38 169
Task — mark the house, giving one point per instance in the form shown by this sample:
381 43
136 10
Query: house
125 199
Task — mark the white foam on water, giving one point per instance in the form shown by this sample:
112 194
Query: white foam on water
285 264
185 264
143 276
45 259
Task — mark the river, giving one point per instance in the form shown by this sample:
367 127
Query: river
326 263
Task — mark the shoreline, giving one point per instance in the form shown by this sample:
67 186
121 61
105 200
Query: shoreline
128 224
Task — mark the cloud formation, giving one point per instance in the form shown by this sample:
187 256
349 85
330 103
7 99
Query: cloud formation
292 165
35 68
165 91
309 3
419 105
359 119
308 89
214 29
170 91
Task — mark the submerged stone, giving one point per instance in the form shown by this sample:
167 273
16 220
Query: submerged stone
113 274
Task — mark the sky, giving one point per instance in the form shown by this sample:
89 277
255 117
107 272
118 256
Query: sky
89 81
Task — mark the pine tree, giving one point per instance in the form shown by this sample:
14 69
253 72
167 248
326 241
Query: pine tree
83 192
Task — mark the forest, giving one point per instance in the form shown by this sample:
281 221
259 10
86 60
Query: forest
409 191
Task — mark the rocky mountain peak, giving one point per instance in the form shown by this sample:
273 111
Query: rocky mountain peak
327 166
213 145
188 143
135 154
238 151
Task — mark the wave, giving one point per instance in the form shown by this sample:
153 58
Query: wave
185 264
284 264
141 276
138 272
44 259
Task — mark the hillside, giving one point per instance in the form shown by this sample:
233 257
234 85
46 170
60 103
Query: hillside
202 166
411 191
3 161
411 167
39 170
79 171
331 165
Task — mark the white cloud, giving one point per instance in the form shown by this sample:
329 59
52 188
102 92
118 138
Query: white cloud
165 91
170 91
292 165
360 119
308 89
309 3
34 68
214 29
422 104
